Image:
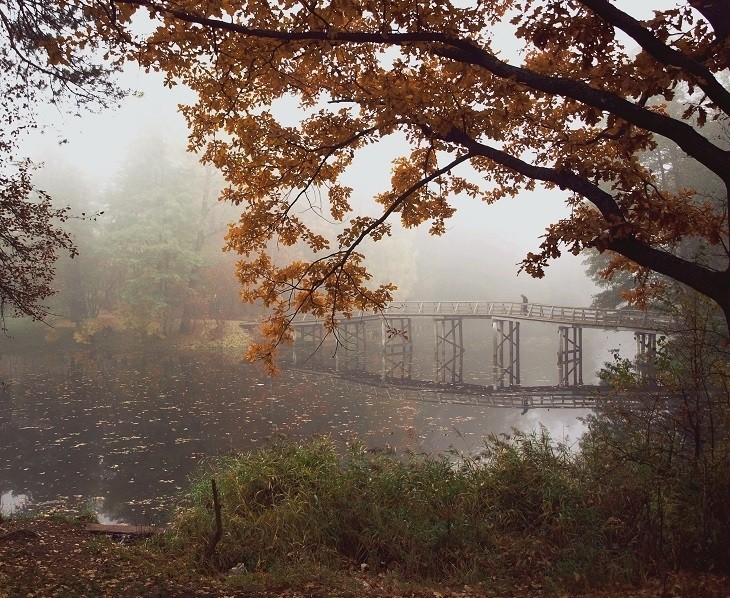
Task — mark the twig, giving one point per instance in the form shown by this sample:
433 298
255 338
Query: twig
210 550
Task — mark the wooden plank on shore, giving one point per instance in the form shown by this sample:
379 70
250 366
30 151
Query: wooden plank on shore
119 528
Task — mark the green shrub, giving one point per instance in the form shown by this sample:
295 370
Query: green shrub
517 511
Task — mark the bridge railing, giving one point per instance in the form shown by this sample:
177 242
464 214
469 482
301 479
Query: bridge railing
589 317
583 316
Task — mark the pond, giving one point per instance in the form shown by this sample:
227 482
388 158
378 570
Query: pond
122 434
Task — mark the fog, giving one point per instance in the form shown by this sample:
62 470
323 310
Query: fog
124 390
477 259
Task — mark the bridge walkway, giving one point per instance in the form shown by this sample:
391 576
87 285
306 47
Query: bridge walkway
586 317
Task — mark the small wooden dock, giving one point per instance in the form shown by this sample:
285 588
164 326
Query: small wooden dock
139 531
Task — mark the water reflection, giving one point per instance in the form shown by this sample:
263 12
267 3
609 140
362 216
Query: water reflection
124 433
11 502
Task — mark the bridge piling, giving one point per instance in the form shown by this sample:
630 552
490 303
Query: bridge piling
397 357
350 355
646 353
308 338
449 350
506 353
570 356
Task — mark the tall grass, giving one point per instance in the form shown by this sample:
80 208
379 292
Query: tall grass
518 511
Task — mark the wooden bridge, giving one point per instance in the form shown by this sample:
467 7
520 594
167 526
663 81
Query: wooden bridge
585 317
393 330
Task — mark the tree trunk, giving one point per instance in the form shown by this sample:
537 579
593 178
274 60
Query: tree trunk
186 321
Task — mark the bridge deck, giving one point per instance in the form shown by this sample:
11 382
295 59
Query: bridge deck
587 317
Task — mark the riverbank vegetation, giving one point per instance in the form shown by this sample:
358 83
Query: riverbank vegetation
525 511
646 490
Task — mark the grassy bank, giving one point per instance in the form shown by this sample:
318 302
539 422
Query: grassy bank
525 512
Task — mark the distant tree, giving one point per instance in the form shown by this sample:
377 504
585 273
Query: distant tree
68 187
162 236
151 236
37 65
83 285
573 112
611 282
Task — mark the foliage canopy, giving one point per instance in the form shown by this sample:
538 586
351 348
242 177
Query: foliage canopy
576 111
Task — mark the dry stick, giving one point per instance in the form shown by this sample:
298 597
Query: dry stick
218 524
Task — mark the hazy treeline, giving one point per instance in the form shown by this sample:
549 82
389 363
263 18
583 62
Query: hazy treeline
150 243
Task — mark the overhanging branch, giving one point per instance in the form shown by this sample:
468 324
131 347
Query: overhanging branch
705 280
468 52
660 51
604 201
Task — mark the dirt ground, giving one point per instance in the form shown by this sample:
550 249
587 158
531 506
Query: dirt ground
46 557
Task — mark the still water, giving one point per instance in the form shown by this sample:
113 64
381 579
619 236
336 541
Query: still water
122 434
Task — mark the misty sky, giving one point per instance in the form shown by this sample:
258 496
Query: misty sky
478 254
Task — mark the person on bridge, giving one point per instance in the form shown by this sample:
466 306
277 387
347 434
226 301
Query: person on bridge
524 304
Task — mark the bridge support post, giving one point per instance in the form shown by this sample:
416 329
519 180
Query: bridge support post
570 356
397 359
645 356
506 353
449 350
350 356
307 341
